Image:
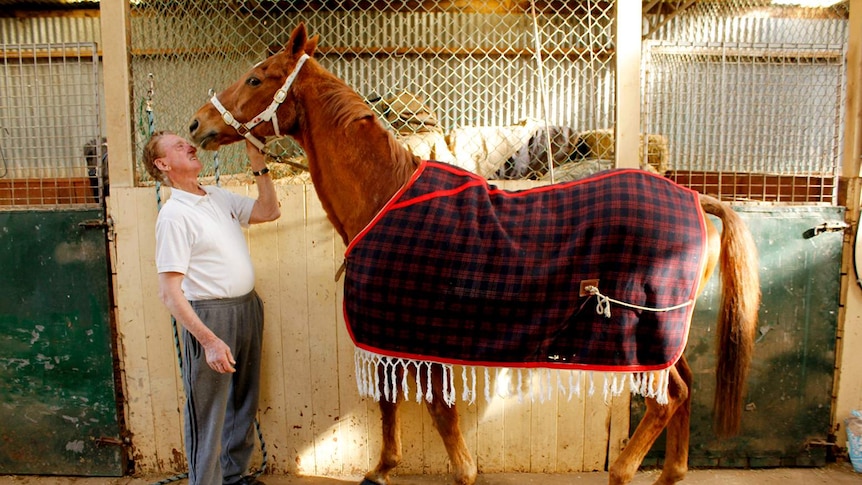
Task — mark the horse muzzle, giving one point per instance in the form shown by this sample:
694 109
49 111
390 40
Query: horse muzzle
208 139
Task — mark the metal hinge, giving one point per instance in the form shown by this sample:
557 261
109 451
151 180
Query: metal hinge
96 223
109 441
820 443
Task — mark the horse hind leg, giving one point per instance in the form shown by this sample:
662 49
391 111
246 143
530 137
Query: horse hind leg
390 453
678 433
654 421
446 421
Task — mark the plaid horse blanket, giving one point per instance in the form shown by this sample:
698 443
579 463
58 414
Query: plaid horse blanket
456 271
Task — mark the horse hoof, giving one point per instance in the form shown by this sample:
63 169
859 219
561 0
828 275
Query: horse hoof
366 481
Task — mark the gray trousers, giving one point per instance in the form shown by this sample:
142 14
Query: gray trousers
220 408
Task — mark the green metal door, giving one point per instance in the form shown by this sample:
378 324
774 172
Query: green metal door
58 405
787 416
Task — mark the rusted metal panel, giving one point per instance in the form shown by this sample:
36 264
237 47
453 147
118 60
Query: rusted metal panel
58 403
787 414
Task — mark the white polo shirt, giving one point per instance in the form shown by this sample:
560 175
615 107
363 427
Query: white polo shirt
202 238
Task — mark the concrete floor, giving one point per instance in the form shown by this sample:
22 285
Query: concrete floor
834 474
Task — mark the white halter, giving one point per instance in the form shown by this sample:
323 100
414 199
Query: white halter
266 115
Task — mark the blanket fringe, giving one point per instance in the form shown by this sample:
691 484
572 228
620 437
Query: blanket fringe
383 377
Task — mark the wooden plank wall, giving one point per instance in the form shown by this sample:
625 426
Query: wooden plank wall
311 417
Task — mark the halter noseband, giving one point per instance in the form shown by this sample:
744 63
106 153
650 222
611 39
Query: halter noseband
268 114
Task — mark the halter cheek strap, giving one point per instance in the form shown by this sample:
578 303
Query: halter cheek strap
268 114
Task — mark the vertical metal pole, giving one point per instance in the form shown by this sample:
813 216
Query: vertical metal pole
628 18
543 88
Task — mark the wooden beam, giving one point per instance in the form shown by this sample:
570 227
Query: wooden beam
628 18
853 123
387 52
116 39
35 10
847 388
30 54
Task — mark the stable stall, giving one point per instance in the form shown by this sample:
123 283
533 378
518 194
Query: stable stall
751 101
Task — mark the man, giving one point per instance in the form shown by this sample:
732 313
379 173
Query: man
206 280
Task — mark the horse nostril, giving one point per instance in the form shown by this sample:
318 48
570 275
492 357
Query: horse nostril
193 126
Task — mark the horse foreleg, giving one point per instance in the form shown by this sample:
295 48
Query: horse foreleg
678 432
446 422
390 454
654 421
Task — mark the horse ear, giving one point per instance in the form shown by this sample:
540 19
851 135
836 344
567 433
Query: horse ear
312 45
298 39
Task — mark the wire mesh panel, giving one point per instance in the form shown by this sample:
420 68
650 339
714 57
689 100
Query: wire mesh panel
492 86
750 109
740 99
750 98
51 149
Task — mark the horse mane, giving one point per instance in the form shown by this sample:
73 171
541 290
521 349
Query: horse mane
346 106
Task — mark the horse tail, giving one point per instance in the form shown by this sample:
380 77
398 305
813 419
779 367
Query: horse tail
737 318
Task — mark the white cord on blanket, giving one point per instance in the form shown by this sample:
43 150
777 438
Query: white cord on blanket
603 304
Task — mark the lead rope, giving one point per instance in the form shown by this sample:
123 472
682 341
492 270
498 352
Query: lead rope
217 169
174 327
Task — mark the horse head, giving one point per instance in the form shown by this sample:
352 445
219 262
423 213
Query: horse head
259 104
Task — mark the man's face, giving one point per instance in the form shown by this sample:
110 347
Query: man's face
179 157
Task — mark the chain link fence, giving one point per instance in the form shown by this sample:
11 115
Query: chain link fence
509 89
486 85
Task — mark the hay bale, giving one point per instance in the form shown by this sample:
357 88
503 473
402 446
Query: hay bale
599 144
570 171
407 113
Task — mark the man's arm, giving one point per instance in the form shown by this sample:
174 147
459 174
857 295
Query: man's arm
219 356
266 207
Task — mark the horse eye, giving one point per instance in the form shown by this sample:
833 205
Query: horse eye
253 81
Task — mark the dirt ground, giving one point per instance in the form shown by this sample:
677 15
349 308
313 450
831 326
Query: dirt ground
834 474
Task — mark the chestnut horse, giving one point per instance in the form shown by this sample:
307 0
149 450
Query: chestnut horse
356 166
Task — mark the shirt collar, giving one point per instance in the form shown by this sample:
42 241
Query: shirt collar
187 197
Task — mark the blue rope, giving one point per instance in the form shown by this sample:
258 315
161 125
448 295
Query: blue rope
217 169
265 458
172 479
